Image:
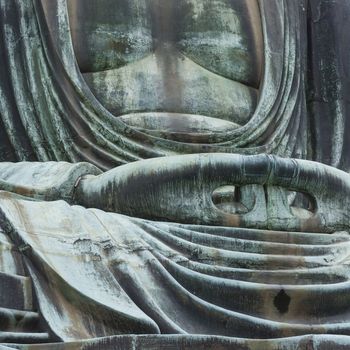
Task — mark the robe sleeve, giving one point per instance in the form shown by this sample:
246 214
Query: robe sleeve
44 181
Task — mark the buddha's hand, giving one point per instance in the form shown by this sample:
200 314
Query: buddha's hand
225 189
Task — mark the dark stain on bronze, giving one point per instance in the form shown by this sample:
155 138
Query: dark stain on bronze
282 301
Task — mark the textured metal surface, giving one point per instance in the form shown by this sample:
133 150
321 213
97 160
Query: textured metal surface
49 112
229 236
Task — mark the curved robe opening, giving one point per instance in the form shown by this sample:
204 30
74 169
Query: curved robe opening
171 69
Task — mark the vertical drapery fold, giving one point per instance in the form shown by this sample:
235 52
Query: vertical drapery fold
329 81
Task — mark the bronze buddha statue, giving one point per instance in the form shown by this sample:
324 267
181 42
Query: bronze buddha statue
170 174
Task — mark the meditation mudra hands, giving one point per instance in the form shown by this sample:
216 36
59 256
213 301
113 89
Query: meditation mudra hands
225 190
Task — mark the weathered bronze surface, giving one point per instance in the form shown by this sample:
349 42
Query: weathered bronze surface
174 174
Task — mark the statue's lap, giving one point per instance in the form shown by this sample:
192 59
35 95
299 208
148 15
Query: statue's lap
195 244
109 273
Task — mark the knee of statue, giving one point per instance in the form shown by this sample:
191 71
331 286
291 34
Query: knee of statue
168 178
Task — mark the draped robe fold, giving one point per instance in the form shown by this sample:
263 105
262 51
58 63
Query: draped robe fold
48 112
98 274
